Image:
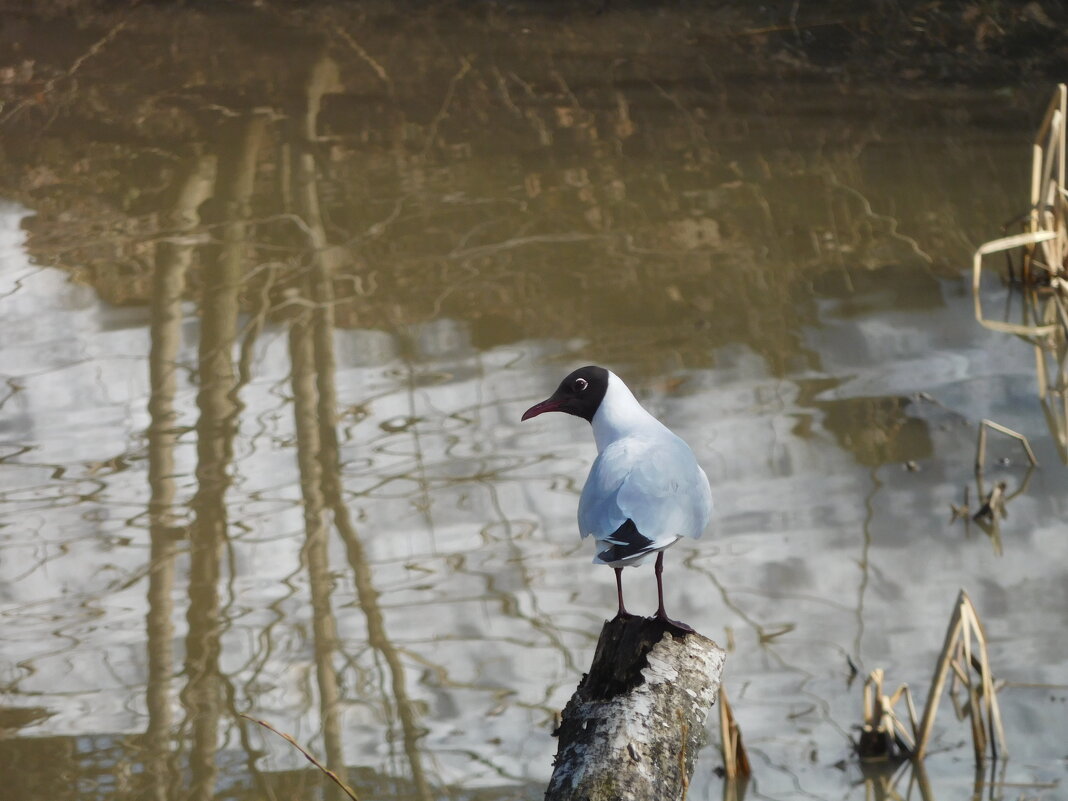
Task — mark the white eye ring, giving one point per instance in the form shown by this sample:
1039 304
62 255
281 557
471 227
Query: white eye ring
580 384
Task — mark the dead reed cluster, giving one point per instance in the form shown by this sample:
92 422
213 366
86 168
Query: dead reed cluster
965 661
1037 312
1037 270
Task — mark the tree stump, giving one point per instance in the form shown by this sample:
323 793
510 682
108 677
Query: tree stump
632 729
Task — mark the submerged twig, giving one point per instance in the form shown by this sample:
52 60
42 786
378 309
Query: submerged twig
289 739
371 62
443 112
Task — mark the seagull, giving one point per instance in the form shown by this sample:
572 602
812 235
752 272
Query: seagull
645 490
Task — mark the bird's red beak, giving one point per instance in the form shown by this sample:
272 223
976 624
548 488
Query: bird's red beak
550 405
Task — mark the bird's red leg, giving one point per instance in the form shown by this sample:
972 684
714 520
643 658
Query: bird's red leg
622 614
661 614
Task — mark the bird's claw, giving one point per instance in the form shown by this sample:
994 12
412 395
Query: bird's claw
678 625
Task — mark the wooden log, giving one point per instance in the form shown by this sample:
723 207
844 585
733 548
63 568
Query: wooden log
632 730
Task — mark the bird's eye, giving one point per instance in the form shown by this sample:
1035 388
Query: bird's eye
580 384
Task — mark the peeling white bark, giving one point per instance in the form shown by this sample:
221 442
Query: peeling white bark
633 727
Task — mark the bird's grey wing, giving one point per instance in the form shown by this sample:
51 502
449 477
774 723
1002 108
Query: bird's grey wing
599 513
666 493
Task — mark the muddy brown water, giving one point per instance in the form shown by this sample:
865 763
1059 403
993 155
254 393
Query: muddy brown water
270 315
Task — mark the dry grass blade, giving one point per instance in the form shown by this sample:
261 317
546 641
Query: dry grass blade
333 776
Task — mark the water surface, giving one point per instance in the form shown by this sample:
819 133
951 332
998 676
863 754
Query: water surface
270 319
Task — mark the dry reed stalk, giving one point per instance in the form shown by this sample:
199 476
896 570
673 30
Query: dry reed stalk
289 739
993 508
735 759
980 446
1048 200
959 655
1030 332
884 734
1045 240
1057 422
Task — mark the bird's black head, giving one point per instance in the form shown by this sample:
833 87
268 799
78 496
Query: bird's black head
579 394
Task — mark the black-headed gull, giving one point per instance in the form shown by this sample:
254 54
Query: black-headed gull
645 490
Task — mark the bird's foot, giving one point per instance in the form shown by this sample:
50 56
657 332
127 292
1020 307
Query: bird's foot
677 625
623 614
